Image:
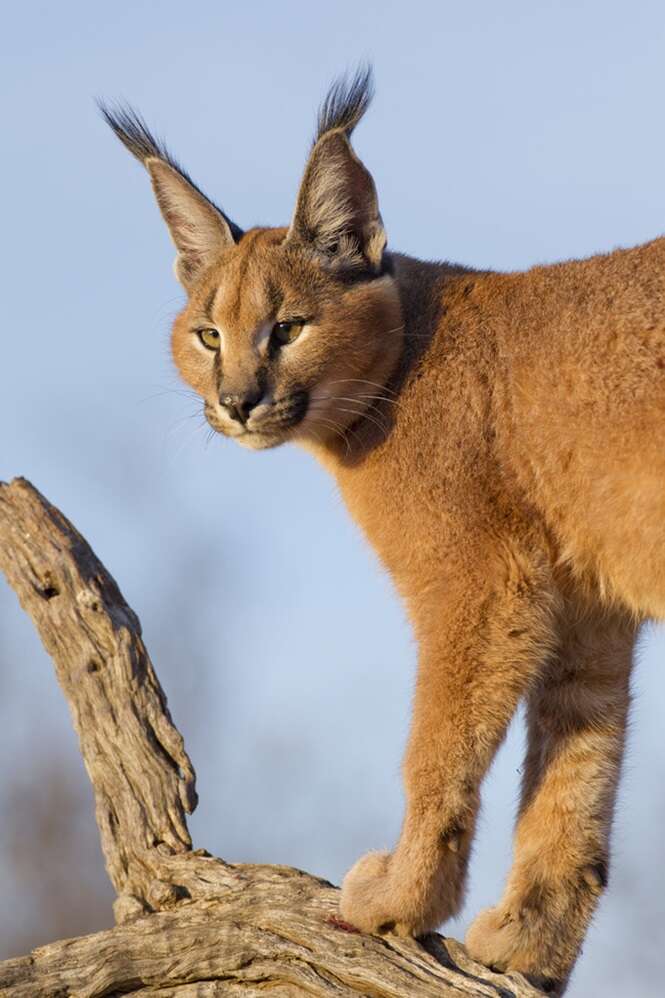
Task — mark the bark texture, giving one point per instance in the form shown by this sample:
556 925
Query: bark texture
187 924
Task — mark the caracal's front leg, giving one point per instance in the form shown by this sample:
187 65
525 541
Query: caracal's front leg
576 724
482 636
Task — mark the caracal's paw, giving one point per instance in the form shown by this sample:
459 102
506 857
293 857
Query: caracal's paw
368 899
505 942
375 899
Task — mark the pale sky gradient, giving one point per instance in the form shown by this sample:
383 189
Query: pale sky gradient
502 135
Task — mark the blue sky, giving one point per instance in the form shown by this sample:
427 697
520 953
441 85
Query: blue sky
502 135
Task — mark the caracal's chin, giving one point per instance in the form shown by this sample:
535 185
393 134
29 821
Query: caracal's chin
259 441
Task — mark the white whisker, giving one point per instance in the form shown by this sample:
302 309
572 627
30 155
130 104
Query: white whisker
363 381
366 415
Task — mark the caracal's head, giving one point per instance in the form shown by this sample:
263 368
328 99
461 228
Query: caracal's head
288 333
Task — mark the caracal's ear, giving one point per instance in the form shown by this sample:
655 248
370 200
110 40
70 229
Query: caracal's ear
337 211
199 229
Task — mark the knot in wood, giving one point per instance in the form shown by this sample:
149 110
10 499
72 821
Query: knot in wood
162 894
128 908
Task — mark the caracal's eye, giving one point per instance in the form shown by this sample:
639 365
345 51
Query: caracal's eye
210 338
287 332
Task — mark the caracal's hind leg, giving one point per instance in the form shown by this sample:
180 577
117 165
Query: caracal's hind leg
576 728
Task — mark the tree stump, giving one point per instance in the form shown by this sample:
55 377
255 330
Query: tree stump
187 924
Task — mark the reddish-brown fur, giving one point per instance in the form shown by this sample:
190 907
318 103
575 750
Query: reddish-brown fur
498 437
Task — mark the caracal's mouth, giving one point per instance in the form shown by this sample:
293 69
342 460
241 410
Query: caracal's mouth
270 426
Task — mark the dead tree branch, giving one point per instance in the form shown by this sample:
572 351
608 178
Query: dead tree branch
187 924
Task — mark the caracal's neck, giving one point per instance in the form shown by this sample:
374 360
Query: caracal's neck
421 287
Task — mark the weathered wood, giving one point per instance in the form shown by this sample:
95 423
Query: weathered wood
277 933
188 924
135 757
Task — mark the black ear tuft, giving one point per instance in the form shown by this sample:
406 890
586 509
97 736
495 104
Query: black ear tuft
346 102
130 127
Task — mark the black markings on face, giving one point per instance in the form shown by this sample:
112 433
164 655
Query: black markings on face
218 369
275 298
208 304
262 378
299 403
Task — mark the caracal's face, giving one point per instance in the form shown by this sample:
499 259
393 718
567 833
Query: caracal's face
287 333
280 348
